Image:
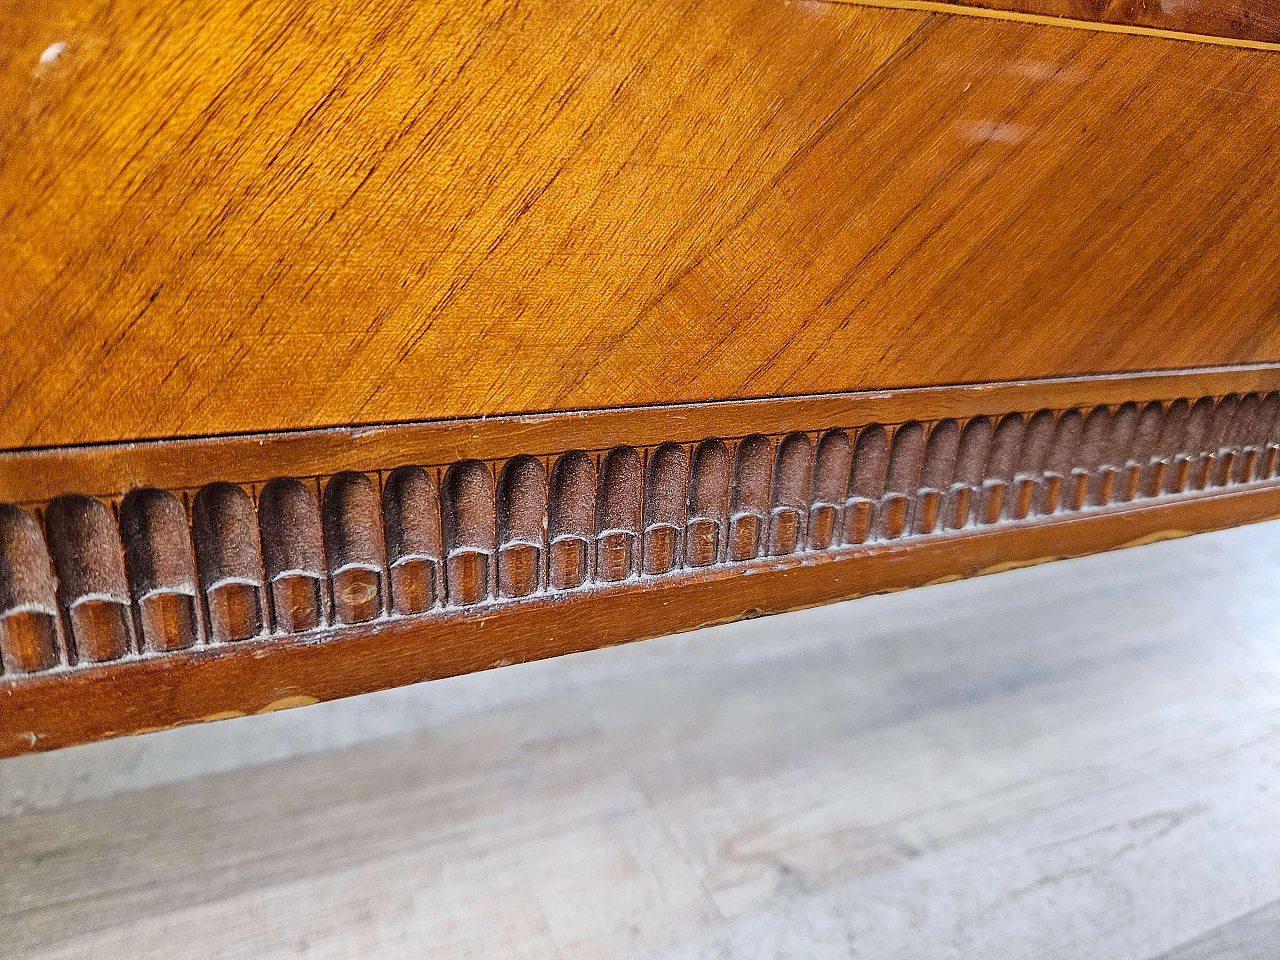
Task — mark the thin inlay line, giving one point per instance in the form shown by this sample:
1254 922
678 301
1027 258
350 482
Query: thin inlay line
932 6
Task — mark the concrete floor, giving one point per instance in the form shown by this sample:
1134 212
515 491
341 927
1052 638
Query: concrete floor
1075 760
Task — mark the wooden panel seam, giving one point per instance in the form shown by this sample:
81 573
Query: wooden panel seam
31 476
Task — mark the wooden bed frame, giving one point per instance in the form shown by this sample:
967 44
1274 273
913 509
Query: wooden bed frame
347 348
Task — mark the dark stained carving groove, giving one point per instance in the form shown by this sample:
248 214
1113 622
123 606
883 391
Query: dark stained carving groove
618 515
86 581
411 524
162 569
229 559
468 532
572 520
293 554
749 504
830 481
522 526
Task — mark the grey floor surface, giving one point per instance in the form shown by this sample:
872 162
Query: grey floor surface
1075 760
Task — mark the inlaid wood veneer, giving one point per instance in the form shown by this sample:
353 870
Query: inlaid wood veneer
1245 23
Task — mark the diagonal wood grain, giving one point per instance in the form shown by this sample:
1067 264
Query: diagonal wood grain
219 218
1066 761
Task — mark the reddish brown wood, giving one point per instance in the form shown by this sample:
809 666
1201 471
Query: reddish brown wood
524 532
47 712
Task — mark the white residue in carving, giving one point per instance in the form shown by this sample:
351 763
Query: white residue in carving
52 52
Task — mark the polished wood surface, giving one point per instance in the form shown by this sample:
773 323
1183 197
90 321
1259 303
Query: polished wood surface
1069 761
217 219
348 347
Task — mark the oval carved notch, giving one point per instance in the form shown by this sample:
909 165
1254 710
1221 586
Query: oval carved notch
353 541
1058 479
1002 462
749 502
293 553
1269 439
866 482
790 494
229 561
830 481
468 531
1123 429
92 589
971 469
1091 484
1162 475
906 466
1222 454
161 567
1245 438
1195 470
1033 461
572 519
411 522
1142 452
618 515
522 523
939 471
29 635
708 503
664 508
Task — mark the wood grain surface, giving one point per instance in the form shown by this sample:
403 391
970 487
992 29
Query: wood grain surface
218 218
1069 761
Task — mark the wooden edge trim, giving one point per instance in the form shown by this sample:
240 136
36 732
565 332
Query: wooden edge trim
106 470
1099 26
434 531
52 711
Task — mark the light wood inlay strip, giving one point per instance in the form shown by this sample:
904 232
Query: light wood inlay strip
1046 20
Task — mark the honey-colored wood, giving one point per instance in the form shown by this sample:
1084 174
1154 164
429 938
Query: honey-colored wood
222 219
34 476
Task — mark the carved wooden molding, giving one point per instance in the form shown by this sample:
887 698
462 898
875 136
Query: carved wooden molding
245 567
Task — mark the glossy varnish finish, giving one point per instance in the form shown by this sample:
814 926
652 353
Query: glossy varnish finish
219 219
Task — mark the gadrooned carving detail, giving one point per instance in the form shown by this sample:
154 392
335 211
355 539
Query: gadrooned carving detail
159 571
